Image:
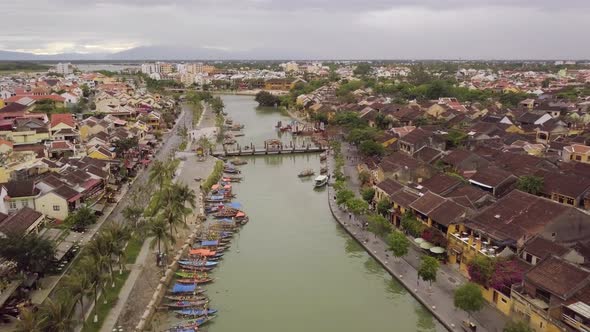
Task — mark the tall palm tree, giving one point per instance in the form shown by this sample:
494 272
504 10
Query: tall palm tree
119 235
185 195
78 286
96 276
158 229
101 250
173 214
30 321
58 314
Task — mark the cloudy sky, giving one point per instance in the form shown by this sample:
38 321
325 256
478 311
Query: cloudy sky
384 29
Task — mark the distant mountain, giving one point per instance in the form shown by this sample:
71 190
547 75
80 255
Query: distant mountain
162 52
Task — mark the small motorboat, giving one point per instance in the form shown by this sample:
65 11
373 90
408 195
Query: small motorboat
320 181
186 262
191 325
186 304
238 162
306 173
193 280
186 298
195 312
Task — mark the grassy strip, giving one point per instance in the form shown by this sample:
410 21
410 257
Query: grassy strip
182 145
214 177
133 249
197 112
112 295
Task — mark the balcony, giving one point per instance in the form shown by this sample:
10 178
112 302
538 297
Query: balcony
534 305
487 248
574 323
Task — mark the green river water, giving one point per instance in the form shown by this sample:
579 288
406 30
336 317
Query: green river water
292 267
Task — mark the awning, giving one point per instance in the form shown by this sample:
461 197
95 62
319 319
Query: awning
209 243
426 245
437 250
419 240
240 214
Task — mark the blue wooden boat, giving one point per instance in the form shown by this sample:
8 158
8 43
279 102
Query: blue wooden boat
190 325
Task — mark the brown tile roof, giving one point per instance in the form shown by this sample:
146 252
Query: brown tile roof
64 118
39 149
389 186
417 136
18 222
448 213
542 248
441 183
473 193
568 185
427 203
492 176
558 277
427 154
398 160
404 198
21 188
66 192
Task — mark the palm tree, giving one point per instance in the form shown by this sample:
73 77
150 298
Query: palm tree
157 229
161 172
58 314
183 194
77 285
173 214
101 250
120 235
96 277
30 321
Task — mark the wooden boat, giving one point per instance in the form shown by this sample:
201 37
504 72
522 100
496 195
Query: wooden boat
229 141
306 173
323 156
186 298
232 179
324 170
239 134
231 171
186 262
191 325
186 304
191 275
238 162
181 289
193 280
195 312
195 268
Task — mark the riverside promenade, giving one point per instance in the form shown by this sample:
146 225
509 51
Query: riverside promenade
438 298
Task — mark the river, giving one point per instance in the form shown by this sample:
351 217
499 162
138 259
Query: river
292 267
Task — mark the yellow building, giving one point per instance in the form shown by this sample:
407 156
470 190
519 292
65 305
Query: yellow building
2 103
101 153
577 152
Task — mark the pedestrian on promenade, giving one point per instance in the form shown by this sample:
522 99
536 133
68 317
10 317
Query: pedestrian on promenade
349 216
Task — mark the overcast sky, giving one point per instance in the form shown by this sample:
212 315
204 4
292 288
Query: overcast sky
394 29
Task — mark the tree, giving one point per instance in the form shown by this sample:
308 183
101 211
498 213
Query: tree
428 269
530 184
362 69
480 270
77 286
364 177
378 225
30 321
455 138
368 194
120 235
160 173
96 276
31 253
267 99
81 219
58 314
125 144
468 298
217 104
398 244
344 196
185 195
357 206
517 326
383 206
158 230
132 213
371 148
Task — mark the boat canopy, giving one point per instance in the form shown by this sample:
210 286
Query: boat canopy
183 288
240 214
202 252
226 220
215 186
216 197
209 243
321 178
234 205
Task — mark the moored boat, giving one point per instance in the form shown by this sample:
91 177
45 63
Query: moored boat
324 170
186 262
320 181
238 162
186 304
193 280
323 156
186 289
306 173
186 297
191 325
195 312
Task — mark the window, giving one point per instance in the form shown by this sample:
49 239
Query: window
12 205
578 157
56 208
25 203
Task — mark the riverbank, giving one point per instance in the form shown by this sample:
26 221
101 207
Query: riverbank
438 298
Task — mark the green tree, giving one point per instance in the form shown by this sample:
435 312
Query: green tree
30 321
267 99
185 195
398 244
357 206
81 219
468 298
368 194
455 138
95 273
364 177
530 184
359 135
517 326
77 286
428 269
362 69
217 104
344 196
58 314
119 235
481 269
378 225
158 230
383 206
371 148
31 253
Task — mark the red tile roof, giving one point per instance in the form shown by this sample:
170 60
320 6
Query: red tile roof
64 118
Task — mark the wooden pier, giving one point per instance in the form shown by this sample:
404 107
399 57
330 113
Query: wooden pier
262 151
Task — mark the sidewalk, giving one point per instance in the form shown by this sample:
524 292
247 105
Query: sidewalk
136 270
439 298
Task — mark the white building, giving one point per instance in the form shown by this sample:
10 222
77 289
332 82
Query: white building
150 68
194 68
63 68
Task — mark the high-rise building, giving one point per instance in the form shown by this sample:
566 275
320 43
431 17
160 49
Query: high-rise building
150 68
166 68
63 68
